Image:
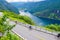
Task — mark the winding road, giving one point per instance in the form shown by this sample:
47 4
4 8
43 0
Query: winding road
32 34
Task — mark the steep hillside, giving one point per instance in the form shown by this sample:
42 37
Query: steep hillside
7 6
17 17
47 8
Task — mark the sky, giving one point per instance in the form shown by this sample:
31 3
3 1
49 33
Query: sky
23 0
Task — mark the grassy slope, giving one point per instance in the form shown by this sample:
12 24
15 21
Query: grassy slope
11 36
54 27
17 17
51 27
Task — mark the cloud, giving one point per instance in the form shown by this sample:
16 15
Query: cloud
23 0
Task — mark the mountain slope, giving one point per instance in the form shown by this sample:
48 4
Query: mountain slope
47 9
38 6
7 6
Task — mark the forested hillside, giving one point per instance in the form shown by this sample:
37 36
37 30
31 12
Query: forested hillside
47 8
7 6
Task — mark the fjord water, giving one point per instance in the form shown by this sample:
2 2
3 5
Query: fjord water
40 21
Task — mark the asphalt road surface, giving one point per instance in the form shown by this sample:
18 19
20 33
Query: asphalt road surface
32 34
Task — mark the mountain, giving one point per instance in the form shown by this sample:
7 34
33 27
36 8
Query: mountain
47 8
7 6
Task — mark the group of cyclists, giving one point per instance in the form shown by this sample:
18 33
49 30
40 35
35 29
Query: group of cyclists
30 27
